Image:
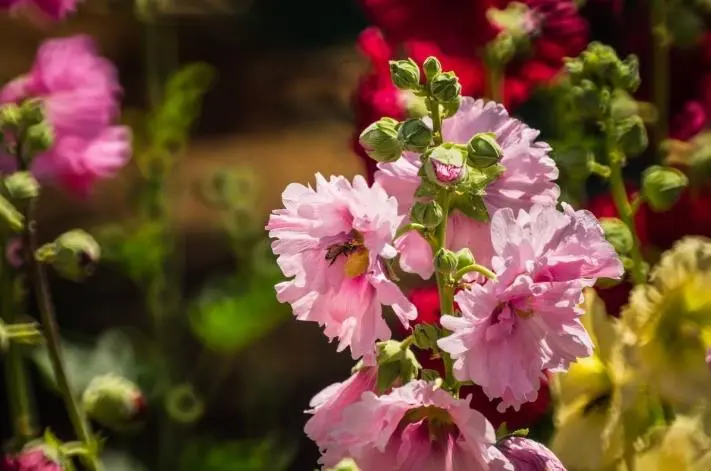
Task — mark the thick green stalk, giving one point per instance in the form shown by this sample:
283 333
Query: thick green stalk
660 63
495 83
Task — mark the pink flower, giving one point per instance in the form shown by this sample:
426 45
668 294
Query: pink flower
328 405
527 321
334 242
528 180
529 455
31 459
416 427
54 9
79 91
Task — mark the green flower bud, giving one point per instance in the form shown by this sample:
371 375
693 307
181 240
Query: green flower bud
426 336
445 87
445 165
432 67
501 49
450 108
395 361
590 100
39 138
32 112
10 116
414 135
12 217
22 185
618 235
625 74
445 261
346 464
430 375
574 68
380 140
428 214
465 258
632 136
113 401
74 254
405 74
662 186
483 150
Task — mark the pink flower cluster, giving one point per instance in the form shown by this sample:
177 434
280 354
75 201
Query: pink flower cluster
79 91
338 244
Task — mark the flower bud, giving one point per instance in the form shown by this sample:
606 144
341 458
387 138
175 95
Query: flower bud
10 116
529 455
395 361
426 336
590 100
432 67
501 49
33 458
113 401
445 261
74 254
617 234
380 140
414 135
445 165
483 150
450 108
405 74
662 186
465 258
445 87
428 214
632 136
22 185
346 464
39 138
32 112
625 74
12 217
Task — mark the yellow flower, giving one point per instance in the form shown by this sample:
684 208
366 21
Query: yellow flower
671 322
603 409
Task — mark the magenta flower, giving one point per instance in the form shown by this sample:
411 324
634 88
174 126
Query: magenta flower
528 180
529 320
416 427
79 91
334 242
529 455
31 459
54 9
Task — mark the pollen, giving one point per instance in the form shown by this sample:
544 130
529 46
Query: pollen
356 263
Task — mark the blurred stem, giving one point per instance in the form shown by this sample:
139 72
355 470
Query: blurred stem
660 62
20 398
40 284
495 83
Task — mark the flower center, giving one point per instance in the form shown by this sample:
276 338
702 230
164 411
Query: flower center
439 422
355 253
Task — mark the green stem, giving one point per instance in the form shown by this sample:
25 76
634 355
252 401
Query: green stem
495 83
433 107
474 268
660 63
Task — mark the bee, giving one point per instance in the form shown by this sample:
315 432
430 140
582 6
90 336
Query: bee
334 251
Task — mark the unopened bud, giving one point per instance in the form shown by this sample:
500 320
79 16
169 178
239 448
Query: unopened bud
632 136
426 336
10 115
405 74
380 140
662 186
414 135
445 87
74 254
432 67
501 49
32 112
445 261
465 258
428 214
12 217
113 401
395 361
39 138
445 165
450 108
617 234
483 150
625 74
22 185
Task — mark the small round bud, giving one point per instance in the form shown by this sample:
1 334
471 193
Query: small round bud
617 234
662 186
625 74
501 49
632 136
395 361
380 140
445 165
74 254
10 116
483 150
465 258
11 216
445 261
32 112
414 135
113 401
450 108
405 74
574 68
426 336
428 214
39 138
432 67
445 87
22 185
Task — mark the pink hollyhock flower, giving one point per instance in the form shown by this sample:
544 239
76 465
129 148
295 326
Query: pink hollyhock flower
79 91
54 9
328 405
527 321
529 455
416 427
528 179
31 459
333 241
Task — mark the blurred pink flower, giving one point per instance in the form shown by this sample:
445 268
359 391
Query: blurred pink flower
334 241
529 319
54 9
14 252
31 459
529 455
529 179
416 427
79 91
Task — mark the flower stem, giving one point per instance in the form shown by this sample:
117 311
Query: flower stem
660 63
474 268
494 83
433 107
